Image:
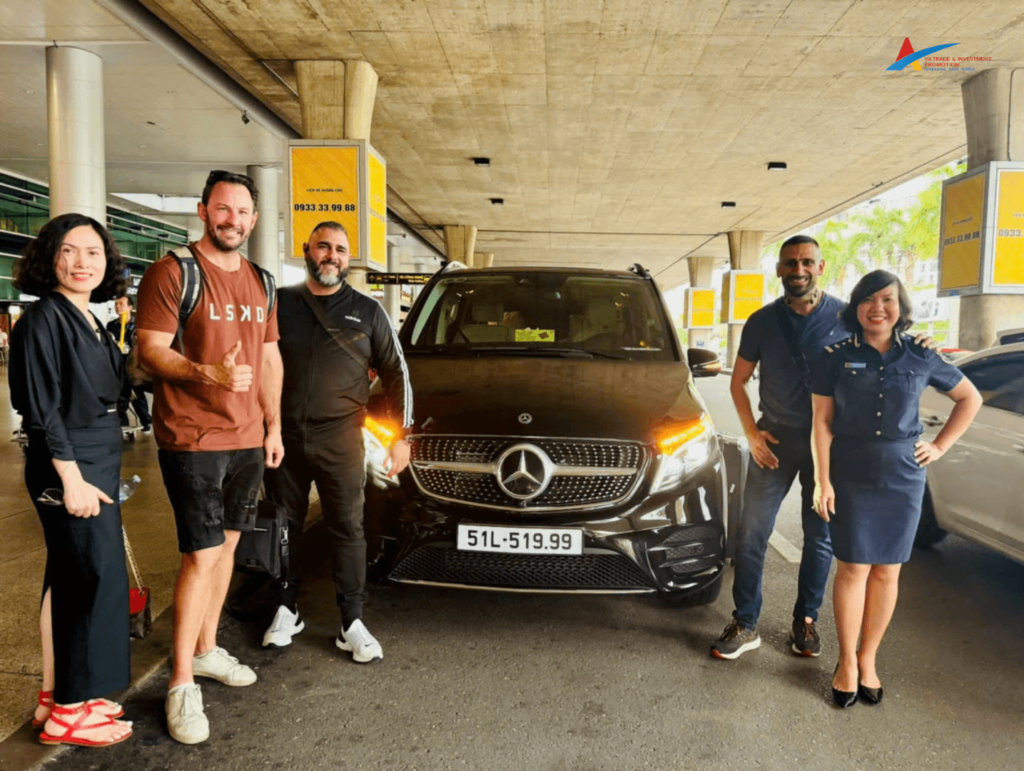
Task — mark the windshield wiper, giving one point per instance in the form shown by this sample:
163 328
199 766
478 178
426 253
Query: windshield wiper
547 350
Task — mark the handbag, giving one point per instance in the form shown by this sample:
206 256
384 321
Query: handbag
140 611
264 549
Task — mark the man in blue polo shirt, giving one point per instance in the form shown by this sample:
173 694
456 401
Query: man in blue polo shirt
785 337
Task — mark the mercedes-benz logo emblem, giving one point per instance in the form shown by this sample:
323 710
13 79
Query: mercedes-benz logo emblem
523 471
526 418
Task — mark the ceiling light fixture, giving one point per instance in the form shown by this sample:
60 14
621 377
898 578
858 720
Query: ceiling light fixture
728 204
481 161
497 201
151 123
776 166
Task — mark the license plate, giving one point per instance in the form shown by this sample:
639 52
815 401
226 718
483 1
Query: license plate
520 540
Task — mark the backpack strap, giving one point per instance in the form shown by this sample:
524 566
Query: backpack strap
191 284
269 287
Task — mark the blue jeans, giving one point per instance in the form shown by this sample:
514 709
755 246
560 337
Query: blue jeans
763 495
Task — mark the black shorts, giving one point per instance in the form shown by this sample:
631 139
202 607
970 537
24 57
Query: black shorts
211 492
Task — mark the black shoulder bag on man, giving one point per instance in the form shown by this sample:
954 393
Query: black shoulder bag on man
789 335
335 333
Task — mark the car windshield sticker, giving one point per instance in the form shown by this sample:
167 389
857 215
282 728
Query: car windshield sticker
535 335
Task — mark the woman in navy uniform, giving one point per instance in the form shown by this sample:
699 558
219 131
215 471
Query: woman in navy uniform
65 376
870 465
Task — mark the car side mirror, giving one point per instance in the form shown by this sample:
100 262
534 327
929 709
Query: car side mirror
703 363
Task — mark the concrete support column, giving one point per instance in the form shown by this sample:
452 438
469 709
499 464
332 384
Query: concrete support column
700 278
74 112
336 101
483 259
393 292
459 242
994 114
265 239
744 254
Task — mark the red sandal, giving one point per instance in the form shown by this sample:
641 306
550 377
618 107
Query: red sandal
105 707
69 737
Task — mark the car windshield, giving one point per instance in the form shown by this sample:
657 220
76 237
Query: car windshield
553 314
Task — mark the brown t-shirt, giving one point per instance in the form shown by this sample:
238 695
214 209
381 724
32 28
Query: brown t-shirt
232 307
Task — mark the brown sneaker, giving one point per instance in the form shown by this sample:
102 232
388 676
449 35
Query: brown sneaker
735 641
805 638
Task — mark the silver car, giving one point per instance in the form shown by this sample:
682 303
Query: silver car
976 490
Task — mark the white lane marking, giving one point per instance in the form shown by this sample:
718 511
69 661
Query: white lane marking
784 547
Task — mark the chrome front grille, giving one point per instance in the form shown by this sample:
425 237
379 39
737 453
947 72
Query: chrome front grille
577 472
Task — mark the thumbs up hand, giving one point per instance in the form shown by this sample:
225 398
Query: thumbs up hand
228 375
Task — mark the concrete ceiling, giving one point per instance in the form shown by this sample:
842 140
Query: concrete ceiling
615 128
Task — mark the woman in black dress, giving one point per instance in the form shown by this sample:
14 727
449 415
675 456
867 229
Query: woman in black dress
65 376
870 465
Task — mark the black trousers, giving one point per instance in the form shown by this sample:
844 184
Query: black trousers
335 460
85 569
137 398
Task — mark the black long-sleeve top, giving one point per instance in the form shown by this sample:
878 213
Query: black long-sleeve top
323 385
63 376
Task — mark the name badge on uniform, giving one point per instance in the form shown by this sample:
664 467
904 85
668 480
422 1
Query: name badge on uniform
856 365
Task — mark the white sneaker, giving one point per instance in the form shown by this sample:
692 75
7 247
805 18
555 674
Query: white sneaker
283 628
185 717
360 643
220 665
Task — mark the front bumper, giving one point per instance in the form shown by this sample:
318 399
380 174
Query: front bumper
672 543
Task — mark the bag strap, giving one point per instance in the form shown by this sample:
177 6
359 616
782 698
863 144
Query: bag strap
789 335
131 558
269 287
344 344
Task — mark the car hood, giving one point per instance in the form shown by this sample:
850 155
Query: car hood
540 396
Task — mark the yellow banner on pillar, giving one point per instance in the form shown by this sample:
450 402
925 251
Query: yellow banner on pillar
742 294
343 180
963 211
1008 260
700 308
378 210
324 186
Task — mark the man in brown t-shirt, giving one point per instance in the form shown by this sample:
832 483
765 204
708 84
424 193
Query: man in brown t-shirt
217 421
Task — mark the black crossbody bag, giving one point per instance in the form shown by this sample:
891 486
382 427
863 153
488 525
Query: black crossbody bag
335 333
789 335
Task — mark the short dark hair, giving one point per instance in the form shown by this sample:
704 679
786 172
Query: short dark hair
330 225
34 273
217 176
876 281
128 297
796 241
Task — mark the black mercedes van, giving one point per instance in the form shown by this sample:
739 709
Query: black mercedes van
560 444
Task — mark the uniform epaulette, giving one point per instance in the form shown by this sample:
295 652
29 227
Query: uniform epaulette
836 346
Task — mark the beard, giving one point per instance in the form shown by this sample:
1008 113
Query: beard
800 291
313 268
220 244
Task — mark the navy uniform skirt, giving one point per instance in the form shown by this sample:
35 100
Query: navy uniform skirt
879 490
85 568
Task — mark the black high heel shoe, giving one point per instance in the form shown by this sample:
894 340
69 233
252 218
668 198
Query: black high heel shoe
870 695
844 699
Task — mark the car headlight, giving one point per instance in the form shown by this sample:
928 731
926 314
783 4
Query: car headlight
684 448
377 440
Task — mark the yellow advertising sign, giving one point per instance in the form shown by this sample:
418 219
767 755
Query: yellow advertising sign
325 186
962 223
378 210
700 304
747 295
1008 261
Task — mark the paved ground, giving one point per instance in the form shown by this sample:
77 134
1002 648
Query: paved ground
484 680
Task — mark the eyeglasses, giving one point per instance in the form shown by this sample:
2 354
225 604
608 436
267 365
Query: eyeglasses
51 497
220 175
